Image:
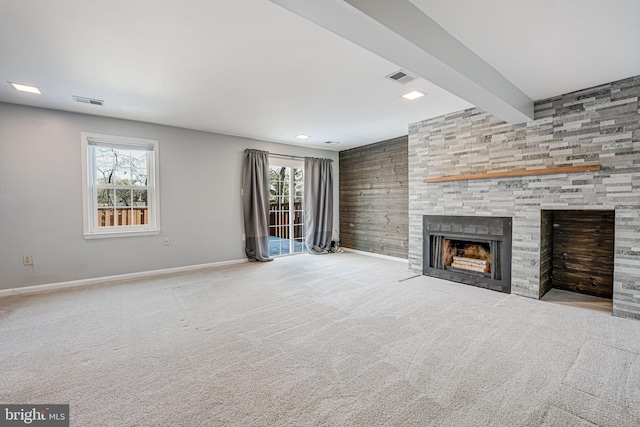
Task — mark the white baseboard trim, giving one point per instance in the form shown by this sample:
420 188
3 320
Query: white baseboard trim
390 258
85 282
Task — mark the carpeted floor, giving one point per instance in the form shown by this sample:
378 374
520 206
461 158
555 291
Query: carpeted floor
335 340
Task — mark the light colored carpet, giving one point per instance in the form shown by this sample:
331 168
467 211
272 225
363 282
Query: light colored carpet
335 340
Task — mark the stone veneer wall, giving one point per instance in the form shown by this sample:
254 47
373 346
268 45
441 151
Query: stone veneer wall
600 125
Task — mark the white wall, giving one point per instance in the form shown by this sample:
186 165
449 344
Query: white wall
41 198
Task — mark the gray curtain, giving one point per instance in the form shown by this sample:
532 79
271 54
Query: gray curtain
318 204
255 190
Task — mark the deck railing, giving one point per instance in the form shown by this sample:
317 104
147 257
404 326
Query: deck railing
279 217
109 217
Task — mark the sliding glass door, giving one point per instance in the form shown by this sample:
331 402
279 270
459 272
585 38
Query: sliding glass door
286 215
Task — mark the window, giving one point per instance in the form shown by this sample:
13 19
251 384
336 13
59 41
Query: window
286 214
120 186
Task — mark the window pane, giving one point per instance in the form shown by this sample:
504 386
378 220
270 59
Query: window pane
105 165
298 217
298 231
124 217
140 216
138 168
105 197
279 218
123 168
282 173
139 197
299 245
105 218
123 197
279 203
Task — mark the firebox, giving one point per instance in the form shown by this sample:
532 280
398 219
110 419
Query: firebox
471 250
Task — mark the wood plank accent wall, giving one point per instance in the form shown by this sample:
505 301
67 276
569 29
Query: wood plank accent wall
583 251
374 198
546 251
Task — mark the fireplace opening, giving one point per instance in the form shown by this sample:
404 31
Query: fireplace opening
577 251
466 256
471 250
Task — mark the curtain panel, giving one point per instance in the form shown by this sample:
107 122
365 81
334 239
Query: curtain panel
255 191
318 204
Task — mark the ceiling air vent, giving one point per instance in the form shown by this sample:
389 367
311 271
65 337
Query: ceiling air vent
401 76
84 100
332 142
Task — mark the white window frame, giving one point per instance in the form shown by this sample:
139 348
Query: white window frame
89 190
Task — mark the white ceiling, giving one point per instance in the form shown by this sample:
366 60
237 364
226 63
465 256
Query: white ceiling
547 47
253 69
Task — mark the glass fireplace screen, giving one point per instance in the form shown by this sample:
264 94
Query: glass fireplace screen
480 258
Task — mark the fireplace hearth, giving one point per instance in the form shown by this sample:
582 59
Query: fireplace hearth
471 250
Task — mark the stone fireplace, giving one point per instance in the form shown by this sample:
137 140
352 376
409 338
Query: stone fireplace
471 250
597 127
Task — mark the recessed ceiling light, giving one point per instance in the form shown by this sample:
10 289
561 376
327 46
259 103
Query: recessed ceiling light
414 94
301 136
25 88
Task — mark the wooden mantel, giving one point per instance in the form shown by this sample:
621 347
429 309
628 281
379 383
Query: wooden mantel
516 173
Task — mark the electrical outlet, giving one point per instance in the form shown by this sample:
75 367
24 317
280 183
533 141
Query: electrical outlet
167 241
243 237
27 260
